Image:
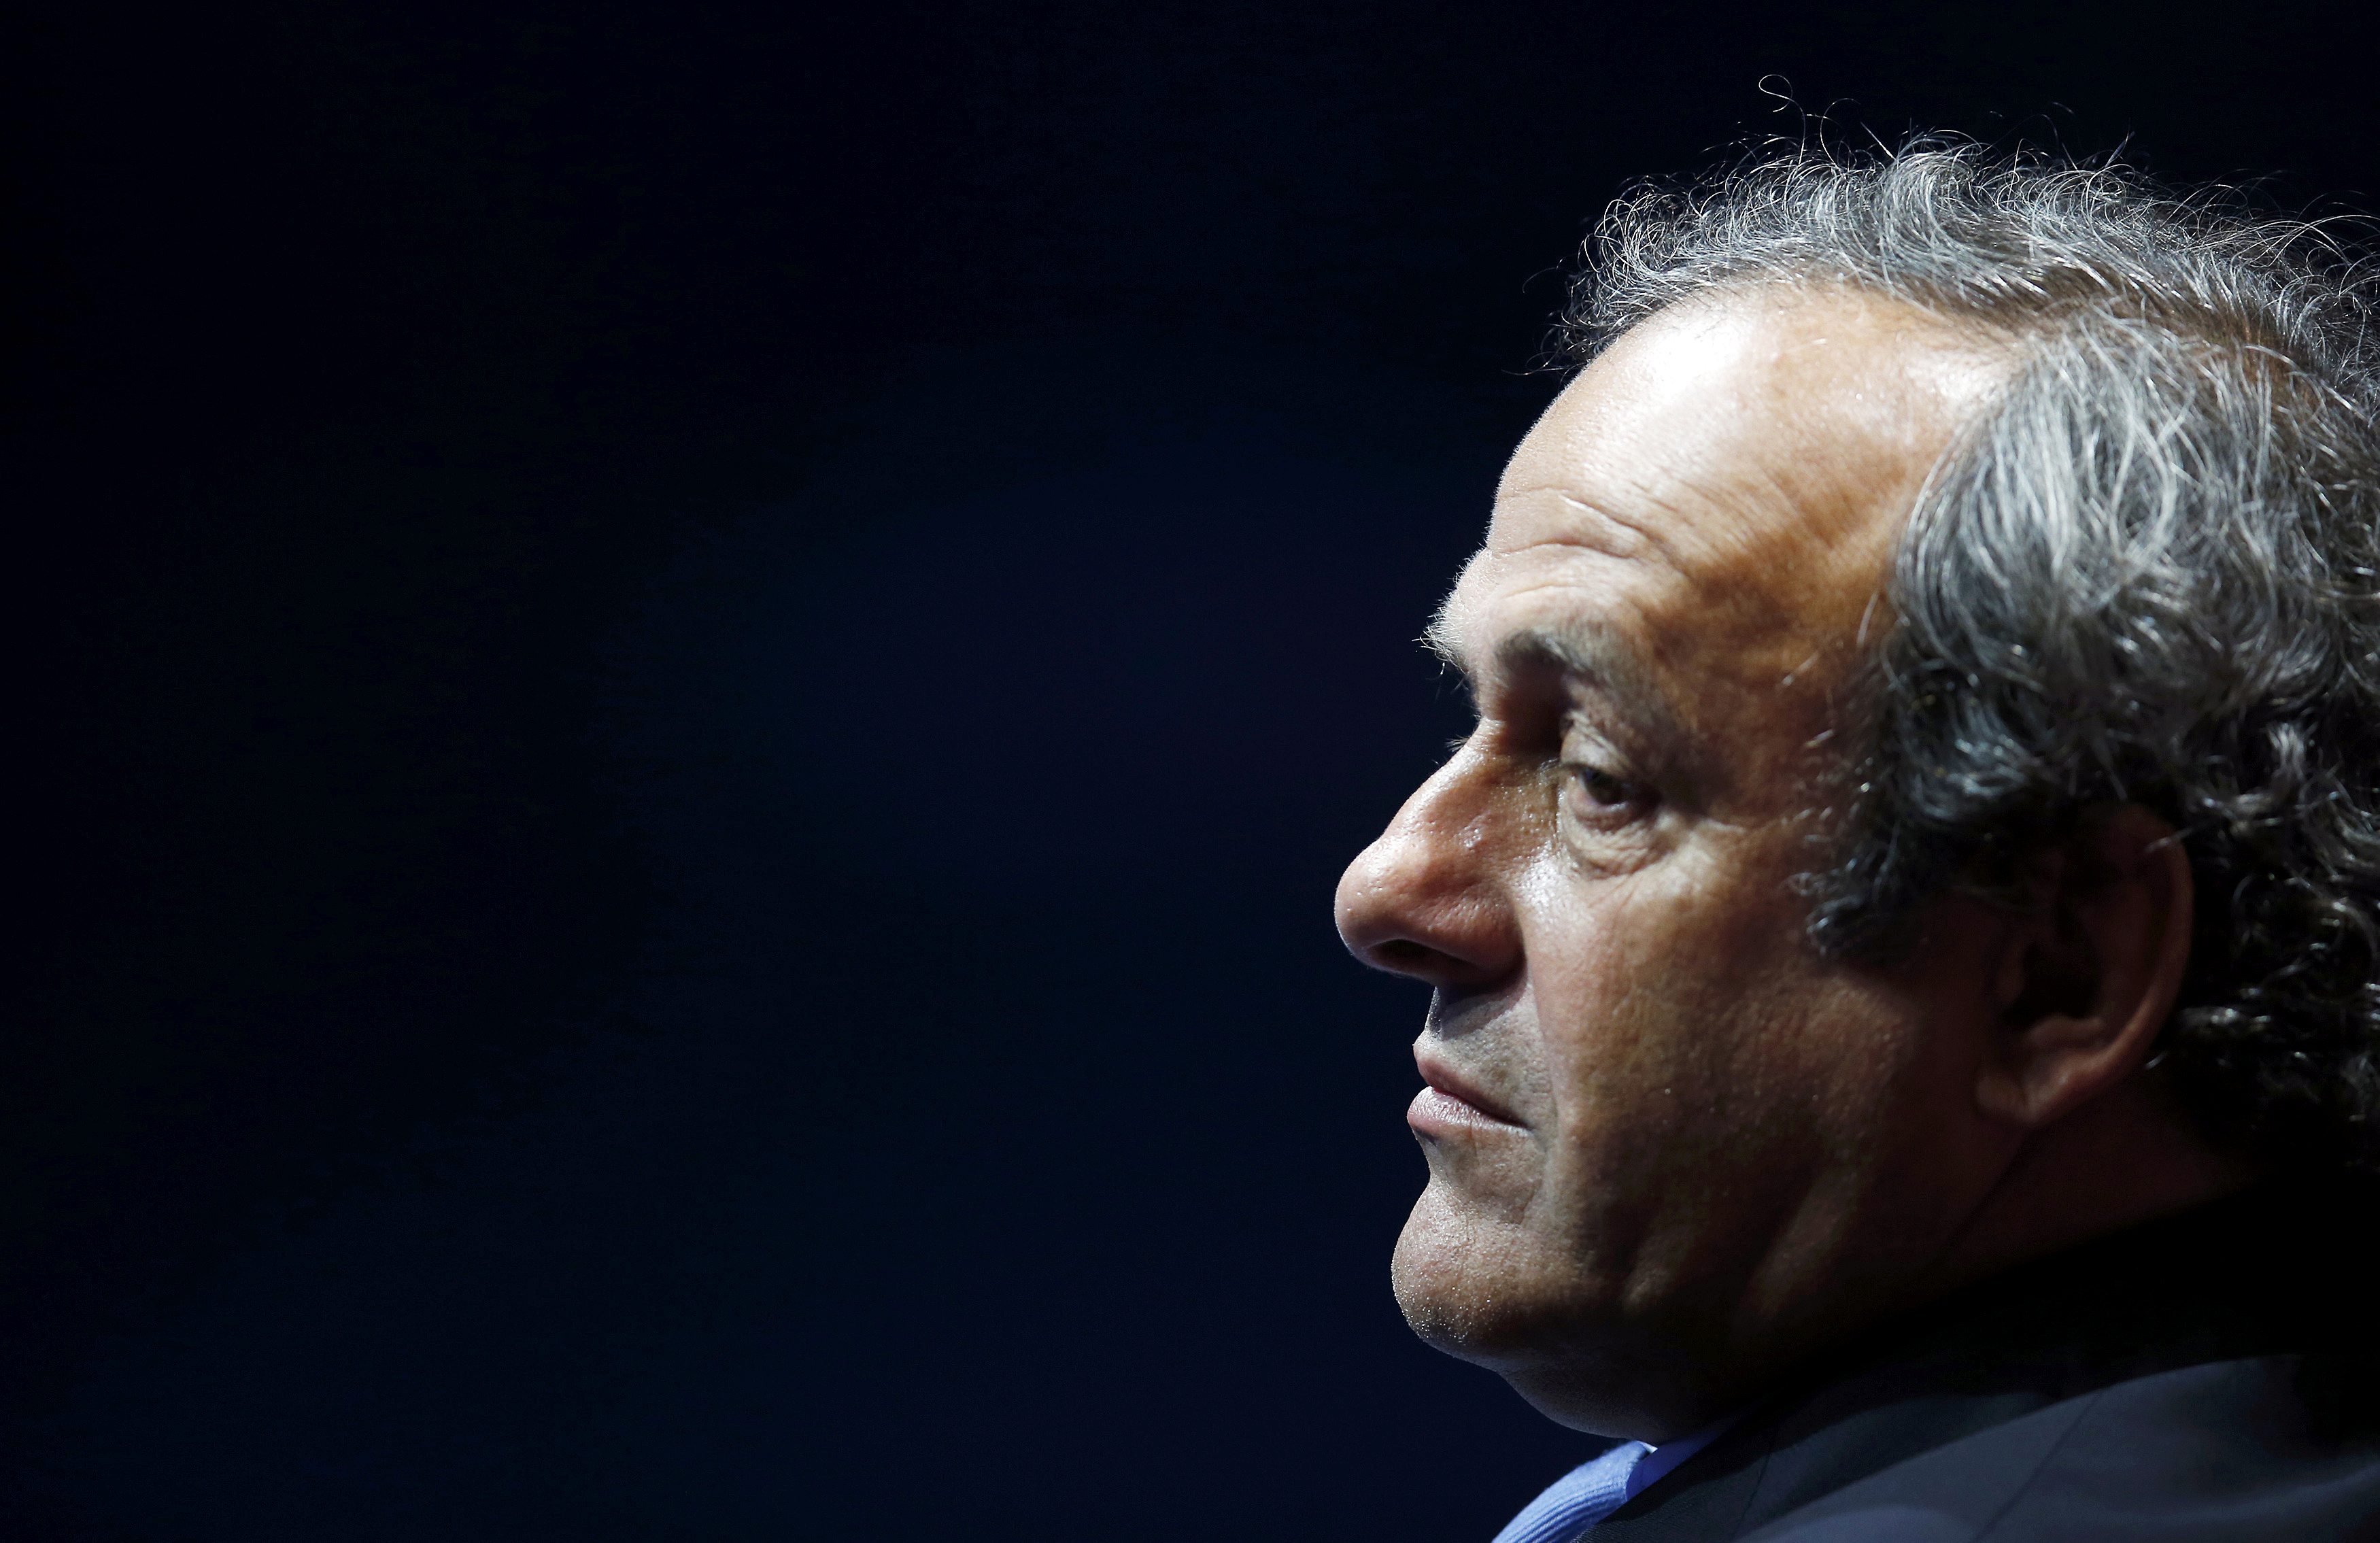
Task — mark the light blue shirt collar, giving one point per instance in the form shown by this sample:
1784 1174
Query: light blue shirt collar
1600 1485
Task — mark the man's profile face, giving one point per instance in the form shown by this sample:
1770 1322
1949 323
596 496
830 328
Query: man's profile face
1660 1127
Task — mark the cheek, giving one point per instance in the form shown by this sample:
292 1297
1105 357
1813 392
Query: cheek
1682 1010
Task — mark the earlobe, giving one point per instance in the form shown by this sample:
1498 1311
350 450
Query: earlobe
2089 978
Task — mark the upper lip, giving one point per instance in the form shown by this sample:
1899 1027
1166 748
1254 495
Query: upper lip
1447 1080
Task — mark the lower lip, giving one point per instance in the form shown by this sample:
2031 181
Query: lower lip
1433 1113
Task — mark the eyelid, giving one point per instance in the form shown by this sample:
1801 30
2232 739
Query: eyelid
1576 727
1636 785
1599 756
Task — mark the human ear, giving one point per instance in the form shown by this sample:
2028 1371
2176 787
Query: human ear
2090 975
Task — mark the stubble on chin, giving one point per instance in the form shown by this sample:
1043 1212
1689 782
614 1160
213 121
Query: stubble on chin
1533 1309
1471 1274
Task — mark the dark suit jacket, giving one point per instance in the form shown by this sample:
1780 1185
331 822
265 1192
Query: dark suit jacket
2212 1376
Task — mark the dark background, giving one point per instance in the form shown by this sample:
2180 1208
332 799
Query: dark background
689 682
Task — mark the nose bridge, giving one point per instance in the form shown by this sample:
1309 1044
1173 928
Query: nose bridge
1441 831
1424 898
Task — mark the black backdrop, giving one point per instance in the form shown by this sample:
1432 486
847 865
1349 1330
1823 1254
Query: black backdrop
689 682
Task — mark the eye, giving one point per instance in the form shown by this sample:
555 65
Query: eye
1604 798
1600 788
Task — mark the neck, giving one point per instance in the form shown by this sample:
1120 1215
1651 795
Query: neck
2126 1158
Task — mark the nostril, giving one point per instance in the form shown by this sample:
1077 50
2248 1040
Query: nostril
1404 955
1440 966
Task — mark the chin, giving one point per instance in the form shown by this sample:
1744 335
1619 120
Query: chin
1491 1293
1463 1283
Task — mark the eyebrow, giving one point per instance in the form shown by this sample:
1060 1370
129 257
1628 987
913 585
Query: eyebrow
1578 648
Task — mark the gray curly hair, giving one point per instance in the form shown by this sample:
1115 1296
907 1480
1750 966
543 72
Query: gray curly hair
2148 573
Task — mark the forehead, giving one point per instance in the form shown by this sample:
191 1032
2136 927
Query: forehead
1722 489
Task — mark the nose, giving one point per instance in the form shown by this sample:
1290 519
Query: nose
1427 899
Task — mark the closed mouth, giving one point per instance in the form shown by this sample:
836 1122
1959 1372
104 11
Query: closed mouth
1474 1105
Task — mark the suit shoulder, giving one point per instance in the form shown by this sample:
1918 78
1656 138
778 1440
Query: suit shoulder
2230 1450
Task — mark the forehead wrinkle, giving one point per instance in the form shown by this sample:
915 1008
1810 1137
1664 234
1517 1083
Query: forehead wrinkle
1732 534
1477 596
1648 537
1701 524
